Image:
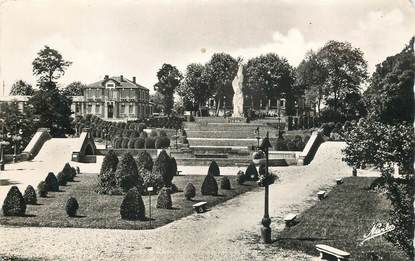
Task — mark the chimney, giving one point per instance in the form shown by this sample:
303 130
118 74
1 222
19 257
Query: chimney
121 78
106 77
133 79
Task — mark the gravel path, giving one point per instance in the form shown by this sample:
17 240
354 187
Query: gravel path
215 235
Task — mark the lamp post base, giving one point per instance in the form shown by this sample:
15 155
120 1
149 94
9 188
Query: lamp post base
266 235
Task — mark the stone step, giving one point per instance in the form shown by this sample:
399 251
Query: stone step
239 162
222 142
239 134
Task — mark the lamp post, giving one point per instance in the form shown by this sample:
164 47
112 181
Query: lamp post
265 181
149 190
224 106
177 136
257 136
2 143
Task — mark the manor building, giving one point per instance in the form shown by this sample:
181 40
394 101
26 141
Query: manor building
114 98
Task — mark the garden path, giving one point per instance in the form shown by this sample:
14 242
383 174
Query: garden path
227 232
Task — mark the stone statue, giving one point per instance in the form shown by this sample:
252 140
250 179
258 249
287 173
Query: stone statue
238 96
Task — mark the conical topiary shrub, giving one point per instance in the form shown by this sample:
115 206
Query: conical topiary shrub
240 177
71 207
42 189
189 191
151 180
52 183
173 166
214 169
225 183
145 161
106 182
132 206
209 186
30 195
68 173
164 199
110 162
127 174
251 173
162 167
61 179
14 203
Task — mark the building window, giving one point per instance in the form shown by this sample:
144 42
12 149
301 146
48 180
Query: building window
122 109
132 94
110 85
130 109
89 108
97 109
122 94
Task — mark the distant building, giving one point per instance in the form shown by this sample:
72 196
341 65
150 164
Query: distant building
20 100
114 98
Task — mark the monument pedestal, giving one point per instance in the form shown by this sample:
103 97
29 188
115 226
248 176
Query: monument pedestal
237 120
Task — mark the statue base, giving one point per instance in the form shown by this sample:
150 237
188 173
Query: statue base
236 120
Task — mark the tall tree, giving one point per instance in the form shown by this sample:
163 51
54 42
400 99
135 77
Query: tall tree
51 107
220 71
390 95
195 88
268 76
49 64
169 78
21 87
74 89
345 71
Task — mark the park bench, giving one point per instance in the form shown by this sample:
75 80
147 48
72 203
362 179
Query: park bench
331 252
200 207
290 219
339 181
321 194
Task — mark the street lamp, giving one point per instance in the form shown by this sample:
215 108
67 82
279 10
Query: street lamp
224 106
16 138
264 181
257 136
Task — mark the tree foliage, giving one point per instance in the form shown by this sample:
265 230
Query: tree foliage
49 65
73 89
22 88
390 94
169 78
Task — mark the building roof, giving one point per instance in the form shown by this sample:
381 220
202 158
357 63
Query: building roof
15 98
125 83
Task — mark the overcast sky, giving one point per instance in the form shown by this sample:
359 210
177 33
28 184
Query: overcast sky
135 37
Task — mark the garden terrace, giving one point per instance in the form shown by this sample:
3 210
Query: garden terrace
103 211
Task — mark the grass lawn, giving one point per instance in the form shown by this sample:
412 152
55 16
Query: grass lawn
340 221
103 211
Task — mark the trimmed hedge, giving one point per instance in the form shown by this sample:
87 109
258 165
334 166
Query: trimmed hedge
145 160
69 172
42 189
209 186
213 169
139 143
127 174
162 142
132 206
225 183
150 179
164 199
30 195
61 179
107 182
14 203
71 207
189 191
52 183
163 167
109 163
149 143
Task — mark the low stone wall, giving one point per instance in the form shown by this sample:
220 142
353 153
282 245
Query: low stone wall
39 138
310 149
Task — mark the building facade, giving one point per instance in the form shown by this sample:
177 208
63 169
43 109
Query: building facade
114 98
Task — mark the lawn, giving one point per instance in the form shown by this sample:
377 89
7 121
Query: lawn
103 211
340 221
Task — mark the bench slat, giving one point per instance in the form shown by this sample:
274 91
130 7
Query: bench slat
332 251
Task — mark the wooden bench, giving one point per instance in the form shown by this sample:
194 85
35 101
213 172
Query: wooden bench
331 252
339 181
290 219
200 207
321 194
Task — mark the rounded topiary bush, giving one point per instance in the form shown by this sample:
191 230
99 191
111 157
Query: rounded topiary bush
209 186
139 143
52 183
153 133
124 143
132 206
213 169
150 179
127 174
149 143
107 182
131 143
143 134
61 179
30 195
14 203
68 172
42 189
71 207
281 145
162 142
145 160
162 133
141 126
251 173
110 162
240 177
189 191
225 183
164 199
